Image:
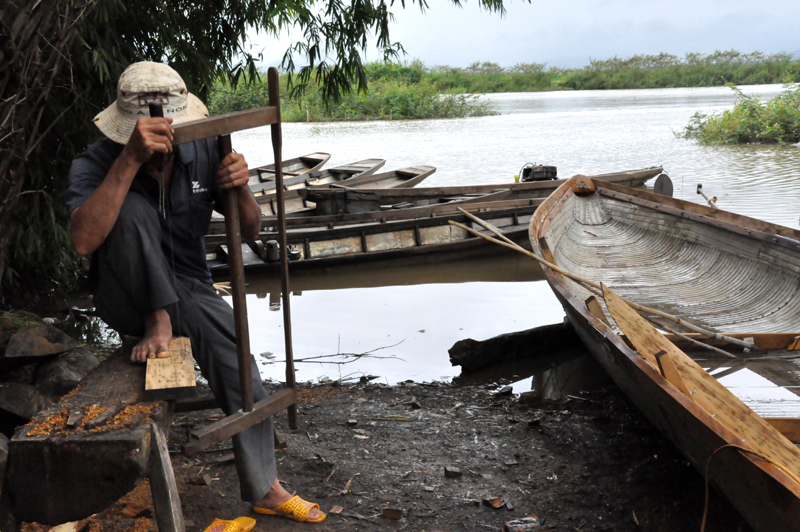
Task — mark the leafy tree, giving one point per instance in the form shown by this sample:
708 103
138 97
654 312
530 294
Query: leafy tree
61 60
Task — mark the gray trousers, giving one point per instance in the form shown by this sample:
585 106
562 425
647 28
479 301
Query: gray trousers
134 278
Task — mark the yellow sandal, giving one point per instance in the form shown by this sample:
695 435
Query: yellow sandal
293 509
240 524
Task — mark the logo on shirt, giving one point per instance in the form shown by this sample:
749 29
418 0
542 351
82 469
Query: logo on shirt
196 187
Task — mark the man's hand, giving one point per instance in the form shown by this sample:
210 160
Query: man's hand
233 175
151 135
233 171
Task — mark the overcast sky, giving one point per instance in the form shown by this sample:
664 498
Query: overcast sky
568 32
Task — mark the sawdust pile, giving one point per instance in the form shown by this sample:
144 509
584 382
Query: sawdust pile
127 417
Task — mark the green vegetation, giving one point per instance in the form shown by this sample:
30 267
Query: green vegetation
636 72
776 121
414 90
387 99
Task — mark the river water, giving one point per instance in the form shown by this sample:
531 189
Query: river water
412 315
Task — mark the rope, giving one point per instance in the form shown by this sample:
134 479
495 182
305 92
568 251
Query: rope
742 449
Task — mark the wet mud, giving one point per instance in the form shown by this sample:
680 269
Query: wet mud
588 461
585 462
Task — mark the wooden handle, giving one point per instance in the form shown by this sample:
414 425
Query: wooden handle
275 101
236 265
156 109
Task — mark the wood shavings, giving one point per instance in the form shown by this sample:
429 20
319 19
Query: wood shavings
50 424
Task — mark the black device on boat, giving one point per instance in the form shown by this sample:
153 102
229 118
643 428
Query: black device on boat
537 172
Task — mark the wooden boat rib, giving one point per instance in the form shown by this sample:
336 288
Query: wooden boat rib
291 167
715 269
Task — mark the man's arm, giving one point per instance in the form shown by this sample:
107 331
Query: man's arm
233 174
91 223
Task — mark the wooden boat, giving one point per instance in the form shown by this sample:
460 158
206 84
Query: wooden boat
291 167
430 239
297 200
395 179
264 191
404 197
721 271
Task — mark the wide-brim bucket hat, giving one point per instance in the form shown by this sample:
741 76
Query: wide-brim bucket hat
140 84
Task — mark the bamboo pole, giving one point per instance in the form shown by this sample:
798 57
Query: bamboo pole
588 282
692 340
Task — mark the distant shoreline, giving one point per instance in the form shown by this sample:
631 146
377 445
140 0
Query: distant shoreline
415 91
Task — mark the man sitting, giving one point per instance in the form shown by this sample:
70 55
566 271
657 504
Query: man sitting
141 209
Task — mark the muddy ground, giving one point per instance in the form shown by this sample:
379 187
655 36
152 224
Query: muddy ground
590 462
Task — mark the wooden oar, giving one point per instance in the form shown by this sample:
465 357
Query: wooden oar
507 242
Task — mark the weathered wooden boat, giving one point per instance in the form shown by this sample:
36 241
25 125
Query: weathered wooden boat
291 167
721 271
305 218
335 197
337 174
430 239
414 202
404 197
298 199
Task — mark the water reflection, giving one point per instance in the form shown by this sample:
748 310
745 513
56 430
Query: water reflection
421 311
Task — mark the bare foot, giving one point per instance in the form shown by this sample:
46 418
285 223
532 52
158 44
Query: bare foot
157 335
277 496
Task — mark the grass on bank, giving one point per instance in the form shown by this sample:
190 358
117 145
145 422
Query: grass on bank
414 90
387 99
751 120
635 72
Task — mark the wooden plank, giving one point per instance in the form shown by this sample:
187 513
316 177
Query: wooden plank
670 372
595 309
166 501
229 426
171 377
788 426
193 404
57 474
795 345
739 424
223 124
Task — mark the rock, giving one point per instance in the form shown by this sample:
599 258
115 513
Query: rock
505 391
19 402
452 472
3 454
525 524
41 340
494 502
60 376
393 513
